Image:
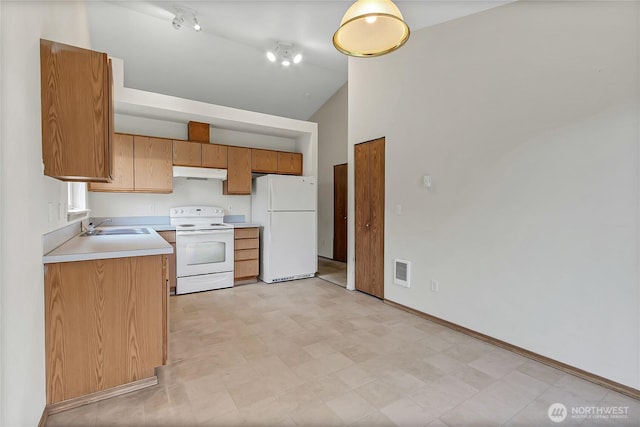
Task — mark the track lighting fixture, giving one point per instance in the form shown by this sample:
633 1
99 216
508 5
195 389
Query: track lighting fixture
179 20
285 54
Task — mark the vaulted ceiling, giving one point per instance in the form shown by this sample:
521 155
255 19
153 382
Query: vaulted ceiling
225 63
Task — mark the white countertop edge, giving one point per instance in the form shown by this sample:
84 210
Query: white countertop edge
105 255
244 225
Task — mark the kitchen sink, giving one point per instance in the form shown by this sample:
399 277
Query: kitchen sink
116 231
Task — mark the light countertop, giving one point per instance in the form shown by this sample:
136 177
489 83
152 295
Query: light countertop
83 248
244 225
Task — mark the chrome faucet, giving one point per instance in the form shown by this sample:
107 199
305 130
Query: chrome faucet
91 229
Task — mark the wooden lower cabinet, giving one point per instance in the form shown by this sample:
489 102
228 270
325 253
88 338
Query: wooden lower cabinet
246 255
170 237
105 324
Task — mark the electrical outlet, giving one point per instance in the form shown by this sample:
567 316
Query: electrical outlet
435 286
230 208
398 210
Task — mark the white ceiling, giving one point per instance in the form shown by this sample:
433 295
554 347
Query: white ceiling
225 63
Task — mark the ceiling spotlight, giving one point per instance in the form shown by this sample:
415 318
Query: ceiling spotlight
178 21
283 53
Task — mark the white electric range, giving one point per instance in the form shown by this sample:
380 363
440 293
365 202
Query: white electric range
204 249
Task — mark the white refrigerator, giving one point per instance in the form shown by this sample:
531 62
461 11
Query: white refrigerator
285 207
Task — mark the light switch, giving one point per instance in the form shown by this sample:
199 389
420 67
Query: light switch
426 181
398 210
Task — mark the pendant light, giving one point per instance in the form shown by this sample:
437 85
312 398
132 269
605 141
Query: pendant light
371 28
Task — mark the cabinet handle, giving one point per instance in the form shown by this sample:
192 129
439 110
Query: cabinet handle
367 225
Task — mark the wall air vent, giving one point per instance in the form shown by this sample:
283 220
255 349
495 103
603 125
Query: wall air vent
402 273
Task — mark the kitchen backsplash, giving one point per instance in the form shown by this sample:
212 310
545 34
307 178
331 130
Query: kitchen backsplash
186 192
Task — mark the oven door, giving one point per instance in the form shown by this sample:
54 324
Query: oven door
204 252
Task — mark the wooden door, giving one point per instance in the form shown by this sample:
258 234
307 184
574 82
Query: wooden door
369 217
152 164
122 158
340 212
238 171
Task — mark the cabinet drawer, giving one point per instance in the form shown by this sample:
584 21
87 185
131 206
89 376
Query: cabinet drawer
245 268
246 233
246 244
245 254
169 236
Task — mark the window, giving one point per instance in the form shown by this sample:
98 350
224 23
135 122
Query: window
76 200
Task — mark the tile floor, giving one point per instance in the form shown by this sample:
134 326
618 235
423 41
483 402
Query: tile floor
332 271
308 353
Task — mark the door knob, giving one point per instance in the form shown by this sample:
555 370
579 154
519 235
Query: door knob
345 218
367 225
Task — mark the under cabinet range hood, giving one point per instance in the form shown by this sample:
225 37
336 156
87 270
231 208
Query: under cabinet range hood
199 173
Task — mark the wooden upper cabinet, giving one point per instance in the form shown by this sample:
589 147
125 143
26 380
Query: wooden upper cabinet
214 156
238 171
289 163
122 158
187 153
153 168
76 112
265 161
198 131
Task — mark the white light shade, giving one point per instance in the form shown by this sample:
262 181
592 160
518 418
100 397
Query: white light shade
297 58
271 56
285 63
371 28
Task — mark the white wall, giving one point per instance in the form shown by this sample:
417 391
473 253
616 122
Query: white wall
527 117
26 195
185 192
332 150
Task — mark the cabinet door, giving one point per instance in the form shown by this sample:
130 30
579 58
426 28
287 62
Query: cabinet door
265 161
289 163
239 171
214 156
187 153
122 158
103 324
153 169
75 99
